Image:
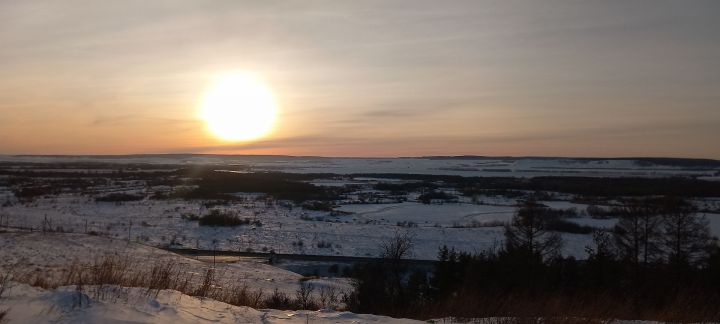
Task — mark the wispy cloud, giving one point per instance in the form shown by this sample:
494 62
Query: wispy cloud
125 120
472 77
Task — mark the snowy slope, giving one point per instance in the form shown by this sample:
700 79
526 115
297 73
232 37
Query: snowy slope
51 255
113 305
116 305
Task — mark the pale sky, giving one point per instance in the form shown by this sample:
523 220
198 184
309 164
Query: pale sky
366 78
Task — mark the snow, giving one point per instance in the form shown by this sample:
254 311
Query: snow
424 214
134 230
360 234
714 222
116 305
599 223
464 226
51 255
470 225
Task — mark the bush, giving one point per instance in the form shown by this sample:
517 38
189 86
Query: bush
190 217
304 298
318 205
407 224
324 245
31 192
281 186
428 197
218 218
278 300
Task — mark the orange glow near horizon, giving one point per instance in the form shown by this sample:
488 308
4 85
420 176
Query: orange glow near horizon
353 78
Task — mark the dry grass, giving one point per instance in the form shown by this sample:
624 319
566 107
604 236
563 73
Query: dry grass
243 295
105 275
4 280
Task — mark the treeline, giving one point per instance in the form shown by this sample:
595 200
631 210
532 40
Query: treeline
643 161
220 218
584 186
602 187
28 189
656 264
405 187
124 174
434 195
678 162
86 165
217 185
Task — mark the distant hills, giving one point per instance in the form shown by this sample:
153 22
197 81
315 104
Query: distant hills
641 161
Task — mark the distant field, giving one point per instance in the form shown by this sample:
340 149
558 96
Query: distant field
332 206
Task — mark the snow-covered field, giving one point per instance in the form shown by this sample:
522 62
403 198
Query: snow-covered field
114 305
464 226
44 237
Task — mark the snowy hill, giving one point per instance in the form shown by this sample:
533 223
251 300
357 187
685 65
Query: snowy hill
26 304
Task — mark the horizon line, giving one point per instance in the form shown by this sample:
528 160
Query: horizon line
460 156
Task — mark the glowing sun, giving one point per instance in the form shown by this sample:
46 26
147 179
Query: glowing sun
238 107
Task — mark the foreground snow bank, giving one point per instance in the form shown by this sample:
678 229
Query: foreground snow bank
49 256
26 304
114 305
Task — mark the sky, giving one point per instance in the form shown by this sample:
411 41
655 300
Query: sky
366 78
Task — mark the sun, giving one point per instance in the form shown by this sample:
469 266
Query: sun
238 107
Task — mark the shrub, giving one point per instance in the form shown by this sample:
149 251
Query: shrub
303 296
242 295
407 224
218 218
278 300
190 217
428 197
324 244
318 205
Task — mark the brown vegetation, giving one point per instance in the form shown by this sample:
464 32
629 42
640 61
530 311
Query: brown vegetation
106 274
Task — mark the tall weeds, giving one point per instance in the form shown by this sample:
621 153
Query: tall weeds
4 281
105 275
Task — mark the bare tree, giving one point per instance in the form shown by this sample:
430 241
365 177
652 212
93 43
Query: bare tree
394 251
603 248
528 233
398 247
637 235
304 296
687 236
329 297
